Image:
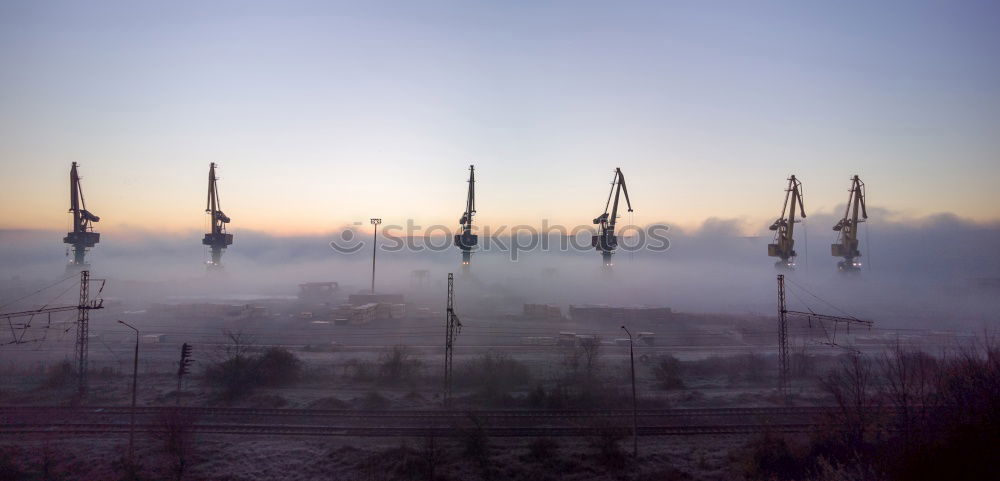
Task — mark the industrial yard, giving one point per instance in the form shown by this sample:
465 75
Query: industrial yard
482 241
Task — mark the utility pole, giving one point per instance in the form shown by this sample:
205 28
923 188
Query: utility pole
635 403
375 222
452 328
83 333
135 377
82 308
782 337
784 313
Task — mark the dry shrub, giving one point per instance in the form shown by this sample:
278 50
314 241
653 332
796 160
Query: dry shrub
239 375
61 375
668 373
944 421
178 439
606 442
493 375
397 365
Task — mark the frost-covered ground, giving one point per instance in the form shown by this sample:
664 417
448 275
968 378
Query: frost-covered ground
288 458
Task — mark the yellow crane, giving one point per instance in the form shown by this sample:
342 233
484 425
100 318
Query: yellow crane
784 244
847 239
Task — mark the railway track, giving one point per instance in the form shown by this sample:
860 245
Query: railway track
402 423
411 414
397 431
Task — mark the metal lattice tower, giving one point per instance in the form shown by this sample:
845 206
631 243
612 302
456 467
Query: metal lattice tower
782 336
784 313
83 333
453 327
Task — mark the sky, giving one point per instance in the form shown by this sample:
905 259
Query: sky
321 114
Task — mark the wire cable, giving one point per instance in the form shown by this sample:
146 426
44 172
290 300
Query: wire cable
60 281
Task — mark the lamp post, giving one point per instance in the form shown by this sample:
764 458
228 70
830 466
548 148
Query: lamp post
635 414
135 377
375 222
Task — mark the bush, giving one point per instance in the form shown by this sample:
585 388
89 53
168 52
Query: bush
745 368
668 373
770 458
607 444
475 442
59 376
944 422
239 375
235 377
279 367
358 370
397 365
493 375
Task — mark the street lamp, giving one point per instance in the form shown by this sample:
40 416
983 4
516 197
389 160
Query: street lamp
375 222
635 414
135 376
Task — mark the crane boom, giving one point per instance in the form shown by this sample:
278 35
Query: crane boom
466 240
784 226
82 237
218 239
847 227
606 241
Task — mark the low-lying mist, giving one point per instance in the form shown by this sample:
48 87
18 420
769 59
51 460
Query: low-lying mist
924 272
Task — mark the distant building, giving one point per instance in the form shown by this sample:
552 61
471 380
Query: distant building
359 299
601 313
153 338
318 291
347 314
542 311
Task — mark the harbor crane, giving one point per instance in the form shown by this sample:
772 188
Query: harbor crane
847 239
218 239
83 235
466 240
784 243
606 241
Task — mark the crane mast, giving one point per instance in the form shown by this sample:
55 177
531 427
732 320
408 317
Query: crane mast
82 237
218 239
466 240
784 227
847 239
606 241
